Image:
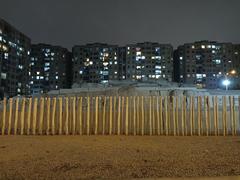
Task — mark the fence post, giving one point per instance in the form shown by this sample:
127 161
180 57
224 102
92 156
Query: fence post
67 116
48 115
60 115
166 114
150 115
193 115
88 115
224 114
158 117
119 115
126 121
10 116
53 115
22 115
142 117
35 115
185 114
173 116
161 115
134 116
182 115
110 115
138 115
4 115
190 112
153 115
96 116
114 114
234 117
80 115
29 115
199 116
16 116
41 115
177 127
215 115
206 113
74 116
104 115
232 114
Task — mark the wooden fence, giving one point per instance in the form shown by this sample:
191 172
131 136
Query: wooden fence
121 115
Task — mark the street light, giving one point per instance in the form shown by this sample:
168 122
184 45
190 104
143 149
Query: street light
226 83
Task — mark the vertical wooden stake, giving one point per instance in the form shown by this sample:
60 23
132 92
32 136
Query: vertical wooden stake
161 114
177 127
232 115
190 118
185 114
35 115
153 115
234 118
150 115
41 115
138 114
126 122
80 115
53 115
193 115
96 116
182 115
10 116
4 115
74 116
209 115
166 114
215 115
22 116
224 115
114 114
158 117
142 119
134 116
173 116
48 114
217 118
67 116
122 123
60 115
104 115
206 113
199 116
119 115
29 116
16 116
88 115
110 116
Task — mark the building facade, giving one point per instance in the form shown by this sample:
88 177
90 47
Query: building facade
49 68
149 61
205 63
14 60
95 63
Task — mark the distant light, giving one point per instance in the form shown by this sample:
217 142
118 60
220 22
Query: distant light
226 82
233 72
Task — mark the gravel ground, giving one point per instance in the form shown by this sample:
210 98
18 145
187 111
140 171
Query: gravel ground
116 157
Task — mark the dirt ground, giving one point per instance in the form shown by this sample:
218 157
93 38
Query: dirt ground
116 157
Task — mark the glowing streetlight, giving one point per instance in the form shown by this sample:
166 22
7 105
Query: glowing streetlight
226 83
233 72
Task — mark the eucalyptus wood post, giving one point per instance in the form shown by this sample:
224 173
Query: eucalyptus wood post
158 117
88 115
150 115
80 115
224 117
29 115
177 127
60 115
22 116
34 115
10 116
114 114
190 114
126 122
104 115
122 122
214 116
234 117
217 117
16 116
166 114
161 115
67 116
110 115
48 115
193 115
206 113
199 116
4 115
142 119
173 115
153 116
182 115
119 115
74 116
134 116
96 116
209 115
41 115
169 114
53 115
185 114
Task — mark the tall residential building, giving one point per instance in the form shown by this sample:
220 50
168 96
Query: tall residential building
14 60
95 63
149 61
49 68
204 63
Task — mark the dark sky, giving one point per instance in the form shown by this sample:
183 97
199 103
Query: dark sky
70 22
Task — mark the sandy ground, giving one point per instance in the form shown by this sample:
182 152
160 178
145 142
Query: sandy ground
116 157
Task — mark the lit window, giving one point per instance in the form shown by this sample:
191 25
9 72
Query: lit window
213 46
138 53
31 82
193 47
38 72
115 62
203 46
3 75
181 58
56 77
209 46
80 72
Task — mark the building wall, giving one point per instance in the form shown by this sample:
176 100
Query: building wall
204 63
49 68
149 61
14 60
95 63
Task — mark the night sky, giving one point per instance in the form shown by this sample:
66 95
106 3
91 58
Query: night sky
71 22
